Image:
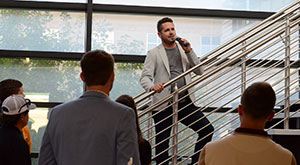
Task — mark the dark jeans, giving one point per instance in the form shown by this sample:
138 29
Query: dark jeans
162 136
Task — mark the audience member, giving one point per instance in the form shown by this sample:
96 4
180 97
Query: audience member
10 87
92 129
144 145
14 116
250 144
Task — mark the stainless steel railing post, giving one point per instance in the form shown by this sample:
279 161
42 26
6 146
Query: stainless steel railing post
150 124
243 78
175 127
287 74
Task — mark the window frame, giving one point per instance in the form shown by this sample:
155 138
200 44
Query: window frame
89 8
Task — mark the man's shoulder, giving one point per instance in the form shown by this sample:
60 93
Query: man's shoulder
281 149
105 110
92 103
66 104
220 142
155 49
121 108
88 102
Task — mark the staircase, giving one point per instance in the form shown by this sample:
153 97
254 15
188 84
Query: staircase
267 52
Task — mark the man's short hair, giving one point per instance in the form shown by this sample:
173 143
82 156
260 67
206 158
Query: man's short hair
97 66
162 21
258 100
9 87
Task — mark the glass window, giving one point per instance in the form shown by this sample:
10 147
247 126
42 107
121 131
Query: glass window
152 38
59 81
37 123
215 40
44 80
136 34
41 30
127 77
153 41
275 75
225 124
224 88
275 49
250 5
70 1
209 43
206 40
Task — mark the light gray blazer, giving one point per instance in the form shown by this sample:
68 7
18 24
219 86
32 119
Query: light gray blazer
92 130
157 70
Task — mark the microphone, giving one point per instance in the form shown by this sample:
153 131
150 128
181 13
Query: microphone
180 41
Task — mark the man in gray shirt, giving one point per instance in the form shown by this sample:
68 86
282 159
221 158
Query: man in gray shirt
163 63
175 64
93 129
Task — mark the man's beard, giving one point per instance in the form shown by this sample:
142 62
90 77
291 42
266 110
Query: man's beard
168 41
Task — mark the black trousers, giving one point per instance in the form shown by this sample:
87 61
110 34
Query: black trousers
162 136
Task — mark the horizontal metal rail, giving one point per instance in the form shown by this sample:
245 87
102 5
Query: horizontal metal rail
220 85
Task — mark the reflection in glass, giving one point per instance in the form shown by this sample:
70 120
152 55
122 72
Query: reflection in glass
248 5
37 123
127 77
152 37
41 30
44 80
59 81
136 34
69 1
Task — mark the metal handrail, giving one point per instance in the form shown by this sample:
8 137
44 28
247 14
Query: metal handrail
271 67
205 58
274 42
191 85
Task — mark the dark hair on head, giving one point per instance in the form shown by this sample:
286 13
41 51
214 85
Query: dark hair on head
128 101
258 100
97 66
11 120
9 87
162 21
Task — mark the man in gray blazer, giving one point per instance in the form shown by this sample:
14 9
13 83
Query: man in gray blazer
93 129
163 63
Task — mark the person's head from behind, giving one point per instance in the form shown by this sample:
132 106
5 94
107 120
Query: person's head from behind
128 101
15 110
10 87
97 69
258 102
